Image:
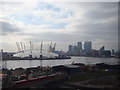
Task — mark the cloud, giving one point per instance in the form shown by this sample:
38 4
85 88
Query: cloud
61 22
8 28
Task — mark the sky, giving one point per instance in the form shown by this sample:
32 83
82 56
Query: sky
63 23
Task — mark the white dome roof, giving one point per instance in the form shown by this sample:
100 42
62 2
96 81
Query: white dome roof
35 53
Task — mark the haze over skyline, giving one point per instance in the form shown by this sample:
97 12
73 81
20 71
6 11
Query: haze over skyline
64 23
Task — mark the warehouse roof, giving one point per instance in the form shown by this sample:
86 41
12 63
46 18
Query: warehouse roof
71 66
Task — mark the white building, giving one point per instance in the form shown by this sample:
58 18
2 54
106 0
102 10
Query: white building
35 54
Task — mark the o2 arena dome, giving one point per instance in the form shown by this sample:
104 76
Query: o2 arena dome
35 53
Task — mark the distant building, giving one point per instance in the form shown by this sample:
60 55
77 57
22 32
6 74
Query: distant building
88 47
79 45
69 69
1 54
105 53
70 50
79 48
6 55
113 52
75 50
102 49
94 53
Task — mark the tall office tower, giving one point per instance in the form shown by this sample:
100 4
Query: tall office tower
79 48
75 50
79 45
88 46
70 49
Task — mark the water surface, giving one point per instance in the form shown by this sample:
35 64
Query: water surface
33 63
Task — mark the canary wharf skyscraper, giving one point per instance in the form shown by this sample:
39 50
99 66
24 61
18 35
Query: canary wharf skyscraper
88 46
79 45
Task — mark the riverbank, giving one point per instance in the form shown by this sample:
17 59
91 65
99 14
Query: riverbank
76 75
93 78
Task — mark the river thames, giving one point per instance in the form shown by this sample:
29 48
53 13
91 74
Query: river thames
12 64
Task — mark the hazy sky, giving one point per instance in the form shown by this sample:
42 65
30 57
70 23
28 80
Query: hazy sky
61 22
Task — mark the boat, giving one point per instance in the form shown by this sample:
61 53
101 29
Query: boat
37 81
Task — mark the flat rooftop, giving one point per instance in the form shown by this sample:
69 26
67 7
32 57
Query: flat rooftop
71 66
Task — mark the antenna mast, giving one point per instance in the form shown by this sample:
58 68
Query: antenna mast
41 48
30 47
21 46
24 47
41 54
50 47
18 46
